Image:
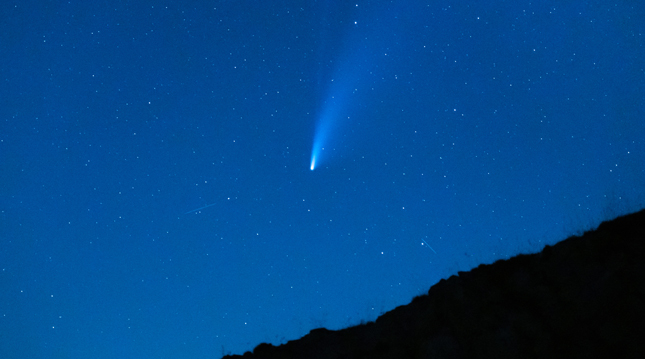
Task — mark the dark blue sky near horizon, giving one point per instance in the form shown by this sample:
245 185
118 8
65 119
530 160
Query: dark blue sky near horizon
156 197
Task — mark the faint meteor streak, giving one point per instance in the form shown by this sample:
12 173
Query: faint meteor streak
200 208
428 245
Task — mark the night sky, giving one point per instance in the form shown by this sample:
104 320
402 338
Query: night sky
157 197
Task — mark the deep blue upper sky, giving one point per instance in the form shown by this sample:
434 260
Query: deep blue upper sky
156 197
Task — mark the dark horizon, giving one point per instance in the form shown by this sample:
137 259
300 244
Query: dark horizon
581 297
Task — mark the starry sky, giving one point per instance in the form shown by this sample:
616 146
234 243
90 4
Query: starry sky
156 192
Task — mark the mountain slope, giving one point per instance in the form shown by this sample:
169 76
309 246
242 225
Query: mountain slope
583 297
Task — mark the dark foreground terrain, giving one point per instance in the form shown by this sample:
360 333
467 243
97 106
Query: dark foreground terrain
581 298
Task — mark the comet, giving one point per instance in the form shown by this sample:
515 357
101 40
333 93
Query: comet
357 65
321 137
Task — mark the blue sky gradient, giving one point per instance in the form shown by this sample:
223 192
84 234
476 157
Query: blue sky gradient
156 197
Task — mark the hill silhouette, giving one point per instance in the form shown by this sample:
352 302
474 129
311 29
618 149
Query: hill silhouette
582 297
